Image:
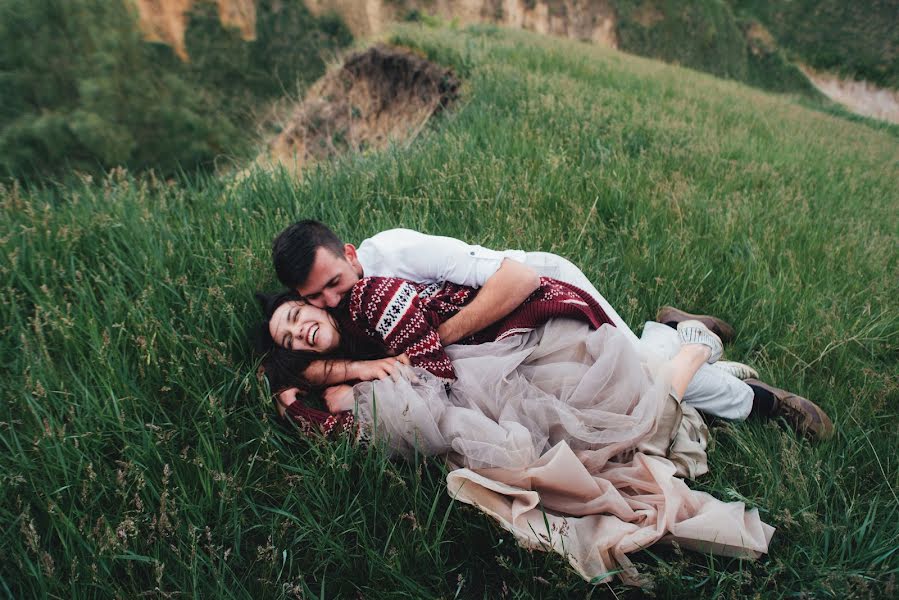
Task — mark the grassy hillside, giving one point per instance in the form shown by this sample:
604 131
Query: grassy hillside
140 455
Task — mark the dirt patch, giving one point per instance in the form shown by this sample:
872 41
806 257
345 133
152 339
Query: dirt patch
861 97
378 96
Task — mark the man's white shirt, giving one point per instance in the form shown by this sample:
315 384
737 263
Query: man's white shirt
426 258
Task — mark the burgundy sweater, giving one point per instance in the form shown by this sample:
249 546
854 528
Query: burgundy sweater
403 317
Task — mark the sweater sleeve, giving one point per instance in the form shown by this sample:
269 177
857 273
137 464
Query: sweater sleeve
314 422
390 309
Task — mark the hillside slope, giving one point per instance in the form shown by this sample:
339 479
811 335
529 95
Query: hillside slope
765 44
855 39
141 453
701 34
585 20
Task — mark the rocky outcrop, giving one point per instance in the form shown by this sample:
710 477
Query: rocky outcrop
166 21
585 20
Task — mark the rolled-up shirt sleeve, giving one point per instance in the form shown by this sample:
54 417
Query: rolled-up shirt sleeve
430 258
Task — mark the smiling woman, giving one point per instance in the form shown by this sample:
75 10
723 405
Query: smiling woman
296 325
295 334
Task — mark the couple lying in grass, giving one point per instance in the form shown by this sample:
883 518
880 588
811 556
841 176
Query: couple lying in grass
555 418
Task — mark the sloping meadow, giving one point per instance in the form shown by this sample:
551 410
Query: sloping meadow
140 454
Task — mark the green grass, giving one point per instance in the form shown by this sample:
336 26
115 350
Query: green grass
139 454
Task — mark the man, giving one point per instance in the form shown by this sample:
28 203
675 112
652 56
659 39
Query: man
311 259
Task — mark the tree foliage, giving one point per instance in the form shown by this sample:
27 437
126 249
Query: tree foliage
83 90
706 35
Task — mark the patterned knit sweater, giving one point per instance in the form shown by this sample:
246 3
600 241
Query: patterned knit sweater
405 316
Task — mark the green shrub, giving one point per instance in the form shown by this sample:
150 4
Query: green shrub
769 68
83 93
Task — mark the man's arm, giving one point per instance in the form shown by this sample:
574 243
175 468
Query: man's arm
332 372
337 371
502 293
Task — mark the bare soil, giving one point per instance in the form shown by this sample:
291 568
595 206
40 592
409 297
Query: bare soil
381 95
861 97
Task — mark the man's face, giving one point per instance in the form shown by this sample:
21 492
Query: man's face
331 277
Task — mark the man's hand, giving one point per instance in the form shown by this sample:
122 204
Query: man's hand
339 398
285 399
370 370
506 289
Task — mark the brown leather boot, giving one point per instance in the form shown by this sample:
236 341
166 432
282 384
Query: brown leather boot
669 314
806 417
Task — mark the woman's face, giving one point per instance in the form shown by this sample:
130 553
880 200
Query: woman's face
299 326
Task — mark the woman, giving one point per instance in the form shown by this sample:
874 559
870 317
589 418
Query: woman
554 423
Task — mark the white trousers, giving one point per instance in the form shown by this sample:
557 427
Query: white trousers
711 390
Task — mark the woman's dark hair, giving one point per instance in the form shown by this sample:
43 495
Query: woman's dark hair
284 368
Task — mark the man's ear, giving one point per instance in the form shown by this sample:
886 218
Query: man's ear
349 252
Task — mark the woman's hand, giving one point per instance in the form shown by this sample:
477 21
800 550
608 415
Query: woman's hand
339 398
369 370
285 399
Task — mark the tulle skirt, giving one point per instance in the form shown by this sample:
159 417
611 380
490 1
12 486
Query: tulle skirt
571 439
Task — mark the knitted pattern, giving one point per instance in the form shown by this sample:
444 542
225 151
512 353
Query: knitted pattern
396 313
312 421
403 317
554 299
390 310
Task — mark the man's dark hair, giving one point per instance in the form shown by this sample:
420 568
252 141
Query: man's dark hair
293 251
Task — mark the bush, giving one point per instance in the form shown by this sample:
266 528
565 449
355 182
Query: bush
767 65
